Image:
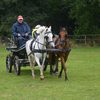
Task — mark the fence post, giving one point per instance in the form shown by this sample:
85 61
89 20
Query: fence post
0 40
85 39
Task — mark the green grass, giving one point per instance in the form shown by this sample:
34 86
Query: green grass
83 69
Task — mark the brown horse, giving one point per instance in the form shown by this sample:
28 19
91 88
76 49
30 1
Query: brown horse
61 42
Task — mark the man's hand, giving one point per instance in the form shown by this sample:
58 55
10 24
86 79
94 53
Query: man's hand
26 34
19 35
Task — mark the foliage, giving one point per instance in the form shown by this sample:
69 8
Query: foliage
44 12
87 15
80 16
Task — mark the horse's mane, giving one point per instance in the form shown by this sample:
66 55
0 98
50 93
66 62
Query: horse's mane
41 29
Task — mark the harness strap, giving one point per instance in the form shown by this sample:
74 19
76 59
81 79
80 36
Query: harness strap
36 34
56 40
31 44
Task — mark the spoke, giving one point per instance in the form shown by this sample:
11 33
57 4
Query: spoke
16 65
8 62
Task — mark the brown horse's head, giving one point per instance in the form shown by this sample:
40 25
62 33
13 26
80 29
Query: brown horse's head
63 35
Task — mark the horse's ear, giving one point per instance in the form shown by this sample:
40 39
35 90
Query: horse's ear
50 27
60 27
66 27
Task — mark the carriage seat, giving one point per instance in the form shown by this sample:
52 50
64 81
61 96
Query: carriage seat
15 40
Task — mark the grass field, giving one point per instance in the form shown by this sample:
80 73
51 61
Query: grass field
83 69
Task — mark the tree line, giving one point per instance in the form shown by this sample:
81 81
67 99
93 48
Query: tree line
80 16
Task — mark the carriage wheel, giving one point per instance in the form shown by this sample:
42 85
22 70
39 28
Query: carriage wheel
16 65
9 63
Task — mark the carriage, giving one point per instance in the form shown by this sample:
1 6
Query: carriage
18 56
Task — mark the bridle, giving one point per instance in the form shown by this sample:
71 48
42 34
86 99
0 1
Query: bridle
46 37
63 42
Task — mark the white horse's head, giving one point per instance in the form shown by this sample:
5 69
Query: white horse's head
49 37
47 34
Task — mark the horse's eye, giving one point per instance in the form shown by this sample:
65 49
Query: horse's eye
46 37
66 36
59 35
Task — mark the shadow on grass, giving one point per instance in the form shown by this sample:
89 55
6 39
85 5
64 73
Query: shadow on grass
28 72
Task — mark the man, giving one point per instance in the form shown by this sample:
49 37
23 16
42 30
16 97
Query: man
21 30
34 33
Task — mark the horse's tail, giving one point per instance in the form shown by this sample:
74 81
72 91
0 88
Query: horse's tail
53 59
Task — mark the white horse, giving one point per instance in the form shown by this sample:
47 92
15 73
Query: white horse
40 44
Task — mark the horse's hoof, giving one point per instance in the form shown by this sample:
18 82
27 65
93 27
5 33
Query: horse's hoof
59 76
56 73
42 79
34 77
51 74
66 80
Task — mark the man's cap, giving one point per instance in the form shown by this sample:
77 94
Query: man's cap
20 17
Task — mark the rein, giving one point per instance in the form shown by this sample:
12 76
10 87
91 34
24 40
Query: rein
38 47
24 38
64 41
40 43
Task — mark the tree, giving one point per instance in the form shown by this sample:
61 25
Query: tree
87 15
43 12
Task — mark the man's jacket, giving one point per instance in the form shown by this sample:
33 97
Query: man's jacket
21 29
